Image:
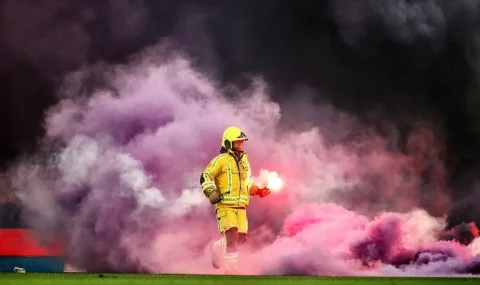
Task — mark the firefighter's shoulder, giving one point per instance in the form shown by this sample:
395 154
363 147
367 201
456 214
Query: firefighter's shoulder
219 158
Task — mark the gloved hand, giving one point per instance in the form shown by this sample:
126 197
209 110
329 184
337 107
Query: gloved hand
262 192
213 194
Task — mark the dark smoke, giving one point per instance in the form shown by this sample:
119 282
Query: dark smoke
462 233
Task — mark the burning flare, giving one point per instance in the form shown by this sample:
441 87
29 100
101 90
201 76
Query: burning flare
274 182
271 180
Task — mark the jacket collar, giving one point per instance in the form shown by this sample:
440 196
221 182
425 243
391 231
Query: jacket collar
235 154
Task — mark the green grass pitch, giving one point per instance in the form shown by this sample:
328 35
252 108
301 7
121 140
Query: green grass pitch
145 279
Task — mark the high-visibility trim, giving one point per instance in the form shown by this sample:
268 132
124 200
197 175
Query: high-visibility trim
214 164
229 175
231 256
207 184
230 260
233 200
208 181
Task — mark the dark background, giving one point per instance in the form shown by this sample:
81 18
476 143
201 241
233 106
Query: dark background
402 61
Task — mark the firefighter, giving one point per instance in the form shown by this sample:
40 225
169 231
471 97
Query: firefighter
226 183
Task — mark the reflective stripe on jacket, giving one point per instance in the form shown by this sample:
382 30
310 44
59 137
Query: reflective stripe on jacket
232 176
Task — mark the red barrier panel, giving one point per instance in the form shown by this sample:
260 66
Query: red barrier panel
20 242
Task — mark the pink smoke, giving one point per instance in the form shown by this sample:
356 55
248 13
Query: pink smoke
326 239
118 182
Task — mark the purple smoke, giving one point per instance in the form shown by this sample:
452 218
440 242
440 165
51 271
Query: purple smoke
118 183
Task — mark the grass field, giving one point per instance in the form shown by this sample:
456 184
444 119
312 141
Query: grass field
133 279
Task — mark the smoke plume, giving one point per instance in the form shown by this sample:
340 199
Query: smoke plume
367 110
116 183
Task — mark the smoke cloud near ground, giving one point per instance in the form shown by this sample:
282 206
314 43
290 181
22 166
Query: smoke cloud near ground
117 181
367 109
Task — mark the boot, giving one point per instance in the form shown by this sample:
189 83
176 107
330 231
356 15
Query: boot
230 260
217 250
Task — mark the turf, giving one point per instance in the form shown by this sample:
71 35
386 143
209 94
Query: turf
132 279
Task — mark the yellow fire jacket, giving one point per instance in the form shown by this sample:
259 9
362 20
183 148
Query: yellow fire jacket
232 177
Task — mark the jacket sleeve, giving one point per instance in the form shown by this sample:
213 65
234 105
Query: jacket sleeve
251 185
207 178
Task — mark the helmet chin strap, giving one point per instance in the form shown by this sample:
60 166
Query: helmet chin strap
238 153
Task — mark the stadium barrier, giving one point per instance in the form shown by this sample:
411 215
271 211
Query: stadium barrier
19 248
